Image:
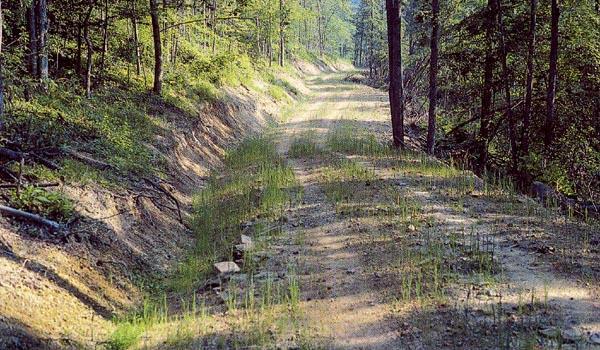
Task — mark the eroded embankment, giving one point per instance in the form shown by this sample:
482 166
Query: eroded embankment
63 289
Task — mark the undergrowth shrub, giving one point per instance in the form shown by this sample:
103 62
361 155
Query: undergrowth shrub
51 204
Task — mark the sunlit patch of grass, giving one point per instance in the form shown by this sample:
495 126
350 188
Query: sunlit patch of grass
351 140
344 179
303 146
262 313
254 185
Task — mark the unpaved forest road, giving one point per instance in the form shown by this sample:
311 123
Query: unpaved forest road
348 264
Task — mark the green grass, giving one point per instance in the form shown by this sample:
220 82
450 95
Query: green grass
351 140
304 146
344 179
254 184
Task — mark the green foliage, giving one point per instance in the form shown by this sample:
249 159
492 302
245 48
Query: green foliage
255 185
126 335
304 146
277 93
350 140
53 205
344 179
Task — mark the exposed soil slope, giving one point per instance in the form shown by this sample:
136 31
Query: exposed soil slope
63 290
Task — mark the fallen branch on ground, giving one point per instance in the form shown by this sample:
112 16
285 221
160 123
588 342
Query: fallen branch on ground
52 225
159 187
50 184
88 160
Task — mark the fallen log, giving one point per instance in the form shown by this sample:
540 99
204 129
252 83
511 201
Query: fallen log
44 184
52 225
88 160
10 154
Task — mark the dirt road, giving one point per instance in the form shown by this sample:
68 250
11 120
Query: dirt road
490 285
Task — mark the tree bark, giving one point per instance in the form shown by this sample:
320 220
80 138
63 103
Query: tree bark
42 27
1 71
90 51
281 33
158 65
529 81
105 20
552 77
512 133
136 39
32 44
487 94
320 28
395 66
433 70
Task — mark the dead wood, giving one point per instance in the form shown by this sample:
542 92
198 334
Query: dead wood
52 225
88 160
43 184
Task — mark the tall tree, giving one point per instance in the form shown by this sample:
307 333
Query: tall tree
158 64
1 70
529 80
486 94
42 41
433 70
512 133
396 93
136 40
552 77
282 24
32 54
90 50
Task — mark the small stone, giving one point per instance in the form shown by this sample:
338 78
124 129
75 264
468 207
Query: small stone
244 247
571 335
595 338
412 227
226 267
240 278
550 332
246 239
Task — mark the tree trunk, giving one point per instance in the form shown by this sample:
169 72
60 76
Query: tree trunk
136 40
158 74
371 41
552 77
395 66
487 94
42 27
512 133
90 51
529 82
281 33
320 28
433 70
1 71
79 45
104 35
32 58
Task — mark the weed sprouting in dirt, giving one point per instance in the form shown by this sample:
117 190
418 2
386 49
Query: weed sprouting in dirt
350 140
304 146
254 186
253 189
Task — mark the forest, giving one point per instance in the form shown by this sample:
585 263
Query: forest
299 174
